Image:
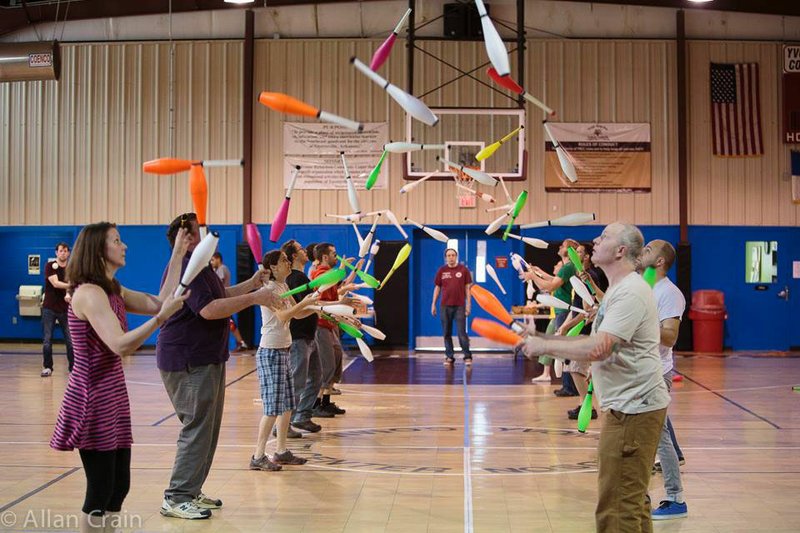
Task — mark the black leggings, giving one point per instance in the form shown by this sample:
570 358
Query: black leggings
108 478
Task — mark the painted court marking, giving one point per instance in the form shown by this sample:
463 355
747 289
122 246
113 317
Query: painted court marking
468 514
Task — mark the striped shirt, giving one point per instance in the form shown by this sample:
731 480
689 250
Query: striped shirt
95 412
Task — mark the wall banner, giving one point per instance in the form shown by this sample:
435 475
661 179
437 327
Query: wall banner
316 148
791 94
607 157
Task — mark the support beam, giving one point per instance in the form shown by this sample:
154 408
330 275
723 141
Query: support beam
521 49
247 116
683 142
412 5
683 268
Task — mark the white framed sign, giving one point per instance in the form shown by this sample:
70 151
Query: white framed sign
316 148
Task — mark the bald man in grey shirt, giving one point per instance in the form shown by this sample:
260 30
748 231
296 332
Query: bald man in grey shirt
626 370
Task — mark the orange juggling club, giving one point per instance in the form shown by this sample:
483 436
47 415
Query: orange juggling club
172 165
284 103
492 305
494 331
199 191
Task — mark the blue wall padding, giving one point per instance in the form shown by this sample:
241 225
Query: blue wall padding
754 322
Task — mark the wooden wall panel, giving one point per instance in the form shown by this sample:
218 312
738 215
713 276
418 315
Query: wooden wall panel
583 80
71 151
754 191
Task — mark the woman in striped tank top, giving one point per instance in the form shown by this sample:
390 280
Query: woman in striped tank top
95 412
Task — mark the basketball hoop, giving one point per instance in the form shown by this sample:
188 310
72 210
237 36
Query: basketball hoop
466 199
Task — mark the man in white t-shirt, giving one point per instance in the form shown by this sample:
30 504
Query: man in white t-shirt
626 370
671 305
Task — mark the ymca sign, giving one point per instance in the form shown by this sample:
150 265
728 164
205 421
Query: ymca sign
791 94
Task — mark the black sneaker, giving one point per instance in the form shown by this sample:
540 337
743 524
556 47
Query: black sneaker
573 413
264 464
448 361
563 393
290 433
288 458
319 412
307 425
335 409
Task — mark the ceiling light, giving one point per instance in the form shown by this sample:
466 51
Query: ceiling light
239 1
693 1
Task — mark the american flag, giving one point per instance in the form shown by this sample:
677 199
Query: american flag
735 109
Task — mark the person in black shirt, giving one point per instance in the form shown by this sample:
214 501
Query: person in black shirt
54 308
305 363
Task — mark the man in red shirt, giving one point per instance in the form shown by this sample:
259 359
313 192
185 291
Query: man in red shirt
453 281
327 336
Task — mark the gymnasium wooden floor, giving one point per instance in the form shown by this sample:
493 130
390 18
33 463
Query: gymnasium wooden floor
420 450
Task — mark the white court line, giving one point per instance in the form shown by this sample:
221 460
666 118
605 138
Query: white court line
442 396
378 446
143 383
519 396
349 363
742 389
468 514
467 490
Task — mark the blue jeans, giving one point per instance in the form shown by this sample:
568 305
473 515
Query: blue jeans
307 377
668 457
674 440
49 319
448 313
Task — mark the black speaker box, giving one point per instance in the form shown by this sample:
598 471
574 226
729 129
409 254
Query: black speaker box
461 21
474 28
246 321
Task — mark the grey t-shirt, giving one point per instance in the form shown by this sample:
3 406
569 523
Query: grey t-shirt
630 380
274 333
224 275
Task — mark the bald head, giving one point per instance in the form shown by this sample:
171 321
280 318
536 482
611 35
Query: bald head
658 250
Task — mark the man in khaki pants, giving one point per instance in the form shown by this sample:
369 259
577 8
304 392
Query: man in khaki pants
626 370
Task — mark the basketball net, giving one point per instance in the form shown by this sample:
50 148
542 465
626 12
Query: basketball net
466 199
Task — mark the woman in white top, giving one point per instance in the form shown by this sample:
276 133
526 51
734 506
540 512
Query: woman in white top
272 363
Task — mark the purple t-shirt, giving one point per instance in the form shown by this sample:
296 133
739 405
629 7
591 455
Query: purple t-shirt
187 339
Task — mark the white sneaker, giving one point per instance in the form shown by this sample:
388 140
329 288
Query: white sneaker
185 510
46 372
207 502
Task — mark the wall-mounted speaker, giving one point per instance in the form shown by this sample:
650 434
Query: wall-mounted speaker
461 21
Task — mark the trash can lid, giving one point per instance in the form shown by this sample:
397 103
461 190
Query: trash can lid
708 298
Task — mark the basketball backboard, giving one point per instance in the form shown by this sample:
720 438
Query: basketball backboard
465 131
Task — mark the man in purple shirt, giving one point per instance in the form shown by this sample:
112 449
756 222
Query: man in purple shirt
453 281
191 352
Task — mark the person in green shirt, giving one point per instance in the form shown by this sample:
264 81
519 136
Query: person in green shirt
559 287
